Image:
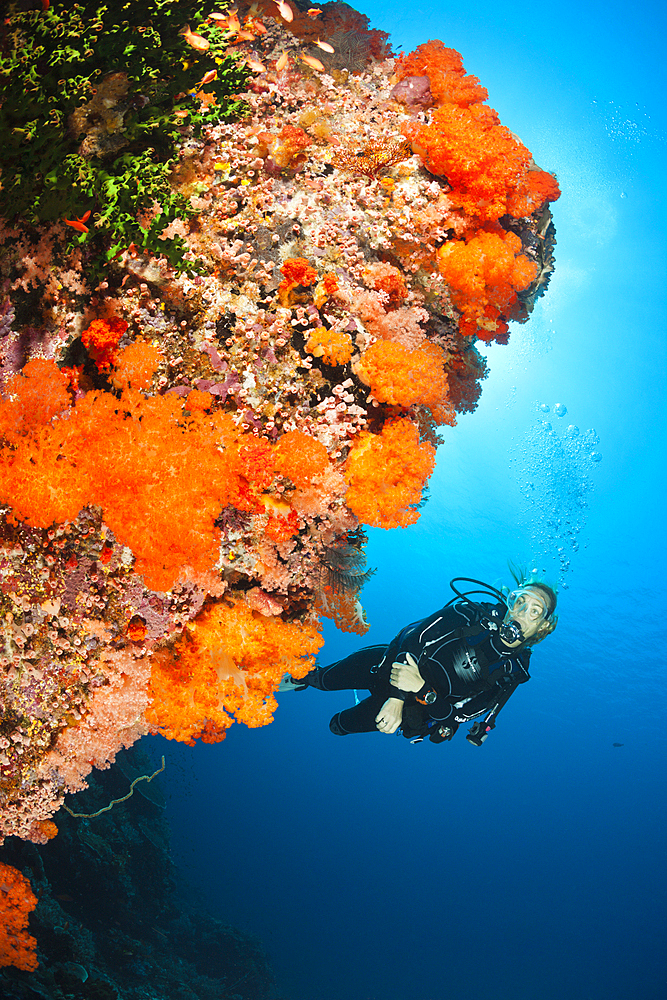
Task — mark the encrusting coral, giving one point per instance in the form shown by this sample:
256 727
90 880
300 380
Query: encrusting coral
201 409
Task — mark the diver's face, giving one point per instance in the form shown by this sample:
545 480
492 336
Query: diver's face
528 607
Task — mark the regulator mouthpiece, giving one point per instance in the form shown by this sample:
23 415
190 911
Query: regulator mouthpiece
510 632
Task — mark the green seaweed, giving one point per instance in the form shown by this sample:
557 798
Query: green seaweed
89 96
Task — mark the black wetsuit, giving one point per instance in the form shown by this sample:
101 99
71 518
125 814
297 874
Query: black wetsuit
469 672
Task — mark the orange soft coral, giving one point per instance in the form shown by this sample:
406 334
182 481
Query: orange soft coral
386 474
333 346
229 664
386 278
136 365
160 468
17 899
38 393
291 143
534 189
485 274
402 377
325 289
286 149
299 457
343 608
447 77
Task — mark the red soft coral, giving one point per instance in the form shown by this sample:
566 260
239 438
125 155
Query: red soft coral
481 159
386 474
101 340
444 68
297 272
17 899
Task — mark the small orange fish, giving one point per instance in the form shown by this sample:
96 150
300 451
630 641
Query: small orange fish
217 17
284 10
313 62
78 224
325 46
211 75
233 22
255 65
46 4
196 41
251 24
282 62
313 12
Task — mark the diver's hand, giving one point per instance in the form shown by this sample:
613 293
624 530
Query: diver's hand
390 715
406 676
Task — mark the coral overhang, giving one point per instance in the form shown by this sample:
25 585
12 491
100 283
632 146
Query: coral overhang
184 457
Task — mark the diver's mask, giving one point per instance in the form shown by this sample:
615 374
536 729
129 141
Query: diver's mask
526 610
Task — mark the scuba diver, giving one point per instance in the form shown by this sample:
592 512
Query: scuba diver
460 664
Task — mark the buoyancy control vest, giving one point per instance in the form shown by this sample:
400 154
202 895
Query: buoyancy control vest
499 675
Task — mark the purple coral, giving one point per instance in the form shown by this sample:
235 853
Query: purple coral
413 91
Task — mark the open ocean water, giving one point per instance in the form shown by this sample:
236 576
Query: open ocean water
532 868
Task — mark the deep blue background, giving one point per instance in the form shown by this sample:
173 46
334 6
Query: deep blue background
534 867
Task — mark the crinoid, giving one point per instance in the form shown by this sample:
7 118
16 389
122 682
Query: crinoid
374 157
344 566
343 574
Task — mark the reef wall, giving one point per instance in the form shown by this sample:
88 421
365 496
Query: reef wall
111 916
246 256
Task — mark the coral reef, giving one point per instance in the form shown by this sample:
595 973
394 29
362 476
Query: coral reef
223 350
112 917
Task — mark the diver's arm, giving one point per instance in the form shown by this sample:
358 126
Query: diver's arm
405 675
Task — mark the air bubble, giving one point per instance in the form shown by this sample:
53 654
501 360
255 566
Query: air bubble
556 472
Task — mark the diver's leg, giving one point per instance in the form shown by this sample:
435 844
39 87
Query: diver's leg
358 719
352 672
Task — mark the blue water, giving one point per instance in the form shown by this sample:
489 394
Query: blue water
534 867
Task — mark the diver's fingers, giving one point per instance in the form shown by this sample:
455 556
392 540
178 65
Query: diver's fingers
382 723
411 660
